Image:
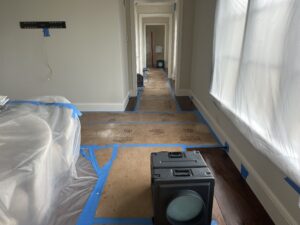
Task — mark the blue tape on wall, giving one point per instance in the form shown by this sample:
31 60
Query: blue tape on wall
214 222
244 172
226 147
46 32
75 112
292 184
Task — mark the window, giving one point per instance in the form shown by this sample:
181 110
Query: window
256 75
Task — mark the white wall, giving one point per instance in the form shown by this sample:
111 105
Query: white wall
265 179
87 61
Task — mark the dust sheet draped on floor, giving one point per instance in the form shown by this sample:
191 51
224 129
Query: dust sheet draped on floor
121 144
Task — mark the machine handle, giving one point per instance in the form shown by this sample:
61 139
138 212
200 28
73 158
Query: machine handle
176 155
182 173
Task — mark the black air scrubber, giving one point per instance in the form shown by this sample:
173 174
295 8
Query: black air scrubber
182 189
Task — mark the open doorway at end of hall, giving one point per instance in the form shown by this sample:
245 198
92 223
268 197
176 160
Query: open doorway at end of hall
155 46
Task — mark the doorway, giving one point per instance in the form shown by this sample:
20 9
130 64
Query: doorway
155 45
144 52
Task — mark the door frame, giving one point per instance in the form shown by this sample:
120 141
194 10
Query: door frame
165 38
142 37
135 27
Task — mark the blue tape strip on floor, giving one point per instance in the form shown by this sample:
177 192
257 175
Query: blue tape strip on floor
292 184
85 154
75 112
151 145
205 146
87 215
133 221
244 172
145 112
142 122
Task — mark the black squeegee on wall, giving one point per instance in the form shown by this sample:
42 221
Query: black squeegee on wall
45 25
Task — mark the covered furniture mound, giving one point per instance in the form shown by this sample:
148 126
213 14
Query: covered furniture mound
39 146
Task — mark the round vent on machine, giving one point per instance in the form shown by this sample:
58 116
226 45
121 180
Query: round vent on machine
185 208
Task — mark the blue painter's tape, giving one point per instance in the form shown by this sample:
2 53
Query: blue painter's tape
170 146
292 184
46 32
214 222
244 172
75 112
141 122
226 147
151 145
85 154
133 221
87 215
205 146
147 112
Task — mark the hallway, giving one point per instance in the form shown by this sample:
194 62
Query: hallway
157 94
156 120
124 142
127 140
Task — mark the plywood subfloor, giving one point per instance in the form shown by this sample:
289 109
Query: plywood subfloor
156 96
157 105
156 92
127 193
189 134
89 119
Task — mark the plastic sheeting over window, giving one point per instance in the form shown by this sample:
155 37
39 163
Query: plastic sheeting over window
257 75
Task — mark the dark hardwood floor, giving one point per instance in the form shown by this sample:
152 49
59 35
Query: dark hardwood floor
238 204
131 104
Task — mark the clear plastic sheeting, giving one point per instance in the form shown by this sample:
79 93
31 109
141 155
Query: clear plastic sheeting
257 75
39 148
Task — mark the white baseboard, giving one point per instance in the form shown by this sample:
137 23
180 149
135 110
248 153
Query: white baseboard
103 107
183 92
278 213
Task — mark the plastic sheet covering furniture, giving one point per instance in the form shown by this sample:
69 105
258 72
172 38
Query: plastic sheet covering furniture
39 147
256 76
